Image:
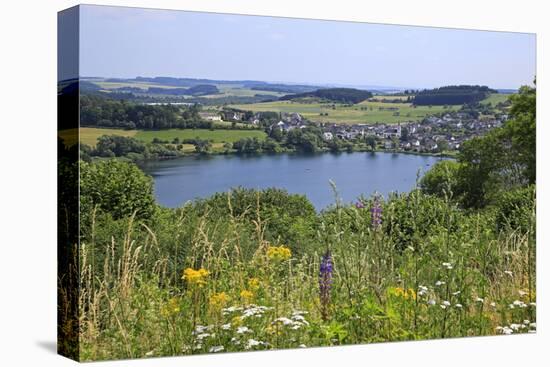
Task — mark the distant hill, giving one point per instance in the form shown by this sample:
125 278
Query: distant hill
452 95
507 91
89 86
197 90
166 80
190 82
202 90
281 88
342 95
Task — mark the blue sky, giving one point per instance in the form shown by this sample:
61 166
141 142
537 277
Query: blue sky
130 42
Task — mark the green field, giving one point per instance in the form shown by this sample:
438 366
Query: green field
217 136
89 135
349 114
346 114
496 98
237 90
389 97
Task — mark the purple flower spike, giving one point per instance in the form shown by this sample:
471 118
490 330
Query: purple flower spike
359 205
376 214
325 283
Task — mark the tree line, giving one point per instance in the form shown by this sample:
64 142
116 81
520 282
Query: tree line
115 146
452 95
104 112
343 95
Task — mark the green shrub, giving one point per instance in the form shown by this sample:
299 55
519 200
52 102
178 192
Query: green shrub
289 218
516 209
442 179
118 188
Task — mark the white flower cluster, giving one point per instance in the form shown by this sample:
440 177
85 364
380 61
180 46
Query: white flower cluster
295 322
517 303
255 311
243 330
199 329
204 336
504 330
531 327
216 349
201 332
228 310
251 343
447 266
422 290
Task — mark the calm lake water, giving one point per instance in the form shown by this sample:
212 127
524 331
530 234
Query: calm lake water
179 180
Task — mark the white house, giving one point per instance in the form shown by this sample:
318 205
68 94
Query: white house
327 136
210 116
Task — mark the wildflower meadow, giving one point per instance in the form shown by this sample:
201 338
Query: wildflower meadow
367 274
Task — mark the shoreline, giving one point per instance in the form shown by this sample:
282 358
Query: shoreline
194 154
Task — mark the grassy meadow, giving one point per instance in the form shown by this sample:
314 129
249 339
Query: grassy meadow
234 273
366 112
383 97
89 135
217 136
239 91
496 98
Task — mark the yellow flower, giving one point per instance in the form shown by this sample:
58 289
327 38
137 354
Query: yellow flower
274 329
254 283
402 293
197 277
247 296
219 300
278 253
171 308
236 321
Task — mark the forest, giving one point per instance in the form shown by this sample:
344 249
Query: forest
452 95
342 95
105 112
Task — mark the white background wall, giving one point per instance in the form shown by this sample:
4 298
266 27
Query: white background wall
28 180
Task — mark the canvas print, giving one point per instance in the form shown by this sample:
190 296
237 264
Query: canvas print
233 183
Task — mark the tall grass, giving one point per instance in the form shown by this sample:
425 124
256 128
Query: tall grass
410 278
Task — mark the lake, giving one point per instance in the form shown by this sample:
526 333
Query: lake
182 179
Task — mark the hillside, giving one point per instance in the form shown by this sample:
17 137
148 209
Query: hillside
197 90
452 95
343 95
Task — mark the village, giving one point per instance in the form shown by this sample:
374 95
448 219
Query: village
433 134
